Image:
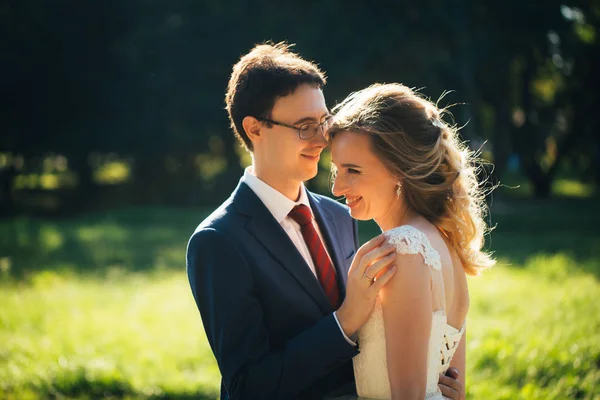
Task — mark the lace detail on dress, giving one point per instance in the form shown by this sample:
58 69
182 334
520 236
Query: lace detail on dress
410 240
370 365
450 343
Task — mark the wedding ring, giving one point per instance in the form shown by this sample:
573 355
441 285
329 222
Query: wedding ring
366 277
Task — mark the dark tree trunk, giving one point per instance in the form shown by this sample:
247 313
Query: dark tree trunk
525 137
87 191
149 180
542 186
501 137
7 201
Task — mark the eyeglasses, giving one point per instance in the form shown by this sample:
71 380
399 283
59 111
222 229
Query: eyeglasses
305 131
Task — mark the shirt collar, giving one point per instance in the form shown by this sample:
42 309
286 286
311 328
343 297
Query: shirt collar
278 204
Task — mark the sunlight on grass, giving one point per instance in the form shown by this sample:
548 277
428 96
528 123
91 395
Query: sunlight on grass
140 335
244 156
103 309
26 181
209 165
46 181
518 187
5 265
572 188
49 181
533 336
50 238
129 334
95 233
112 172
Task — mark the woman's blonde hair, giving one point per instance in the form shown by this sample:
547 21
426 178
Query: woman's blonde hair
437 170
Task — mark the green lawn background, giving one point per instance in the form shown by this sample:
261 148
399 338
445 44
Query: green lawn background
99 306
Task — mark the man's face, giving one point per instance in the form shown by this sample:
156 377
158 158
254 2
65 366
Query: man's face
287 158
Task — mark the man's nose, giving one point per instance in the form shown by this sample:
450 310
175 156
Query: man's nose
324 131
321 137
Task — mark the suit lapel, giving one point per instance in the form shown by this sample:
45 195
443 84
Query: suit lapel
263 226
331 236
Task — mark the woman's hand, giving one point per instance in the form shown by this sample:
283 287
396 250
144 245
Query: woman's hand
371 268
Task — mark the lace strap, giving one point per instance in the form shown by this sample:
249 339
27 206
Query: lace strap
409 240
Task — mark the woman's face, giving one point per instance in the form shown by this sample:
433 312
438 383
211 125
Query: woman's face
367 185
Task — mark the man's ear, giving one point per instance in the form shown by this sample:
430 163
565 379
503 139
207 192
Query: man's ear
252 128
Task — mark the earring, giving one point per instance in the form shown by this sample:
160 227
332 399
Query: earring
399 189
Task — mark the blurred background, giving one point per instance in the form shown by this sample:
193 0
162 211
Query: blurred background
114 145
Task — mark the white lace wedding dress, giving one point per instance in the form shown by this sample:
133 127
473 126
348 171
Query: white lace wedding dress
370 366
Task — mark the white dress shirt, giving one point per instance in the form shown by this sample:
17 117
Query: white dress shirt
280 206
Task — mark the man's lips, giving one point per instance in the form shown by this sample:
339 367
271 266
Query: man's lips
311 157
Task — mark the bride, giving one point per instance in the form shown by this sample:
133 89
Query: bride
397 162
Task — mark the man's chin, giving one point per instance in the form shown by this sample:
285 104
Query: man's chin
310 173
308 177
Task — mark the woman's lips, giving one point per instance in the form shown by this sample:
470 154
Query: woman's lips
353 201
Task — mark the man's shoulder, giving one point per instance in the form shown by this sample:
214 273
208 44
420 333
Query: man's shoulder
220 218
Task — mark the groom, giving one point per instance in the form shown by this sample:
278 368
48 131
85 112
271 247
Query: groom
268 268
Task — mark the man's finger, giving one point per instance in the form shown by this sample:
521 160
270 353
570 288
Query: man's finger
380 265
382 280
450 387
363 251
453 372
370 245
374 255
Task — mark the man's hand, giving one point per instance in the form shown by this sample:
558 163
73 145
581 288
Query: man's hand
372 267
450 386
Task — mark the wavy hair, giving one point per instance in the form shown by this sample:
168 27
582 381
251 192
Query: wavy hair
437 169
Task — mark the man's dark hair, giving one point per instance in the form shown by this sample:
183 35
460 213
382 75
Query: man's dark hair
267 72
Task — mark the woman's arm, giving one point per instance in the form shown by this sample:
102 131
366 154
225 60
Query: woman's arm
407 314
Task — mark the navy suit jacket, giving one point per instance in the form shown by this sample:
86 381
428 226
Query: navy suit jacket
267 319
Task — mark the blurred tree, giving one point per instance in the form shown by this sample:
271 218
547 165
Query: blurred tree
146 79
56 96
535 63
583 87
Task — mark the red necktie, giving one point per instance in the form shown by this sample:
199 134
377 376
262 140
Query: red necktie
325 272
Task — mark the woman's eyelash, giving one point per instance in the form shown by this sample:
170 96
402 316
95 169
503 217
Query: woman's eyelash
353 171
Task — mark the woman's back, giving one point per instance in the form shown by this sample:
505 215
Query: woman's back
448 295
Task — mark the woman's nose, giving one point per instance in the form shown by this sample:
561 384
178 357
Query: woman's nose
338 188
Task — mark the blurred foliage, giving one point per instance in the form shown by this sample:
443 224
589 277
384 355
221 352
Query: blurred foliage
99 306
112 103
143 82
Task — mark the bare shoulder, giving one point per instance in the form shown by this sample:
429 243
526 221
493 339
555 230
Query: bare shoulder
412 275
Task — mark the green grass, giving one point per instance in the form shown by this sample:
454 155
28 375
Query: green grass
99 307
128 335
534 333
